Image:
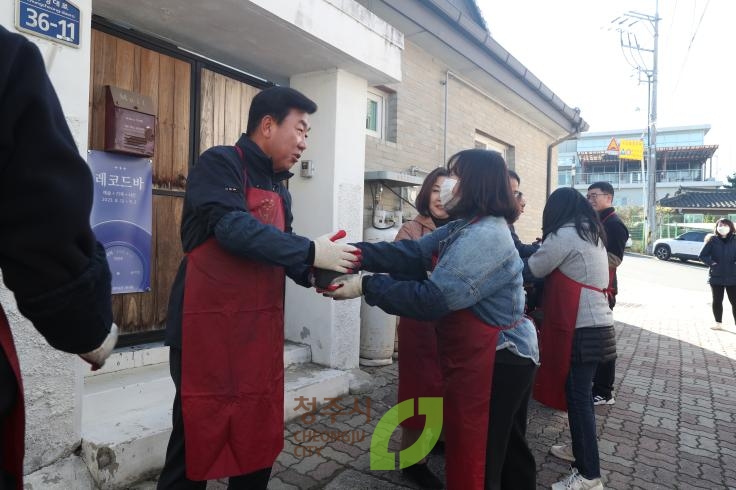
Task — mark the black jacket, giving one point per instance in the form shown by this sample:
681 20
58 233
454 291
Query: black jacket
594 344
214 206
616 236
48 254
720 255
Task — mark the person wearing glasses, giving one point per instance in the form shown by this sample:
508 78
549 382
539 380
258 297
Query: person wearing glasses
600 196
524 249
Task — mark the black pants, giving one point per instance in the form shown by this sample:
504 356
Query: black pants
605 374
718 300
509 461
173 475
8 399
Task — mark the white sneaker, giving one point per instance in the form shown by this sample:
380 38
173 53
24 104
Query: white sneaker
717 326
576 482
601 400
563 451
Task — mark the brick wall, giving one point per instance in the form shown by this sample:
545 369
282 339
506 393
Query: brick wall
420 100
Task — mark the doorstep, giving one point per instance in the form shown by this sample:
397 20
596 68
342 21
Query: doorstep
126 409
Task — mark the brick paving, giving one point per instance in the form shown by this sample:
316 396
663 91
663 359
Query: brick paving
673 425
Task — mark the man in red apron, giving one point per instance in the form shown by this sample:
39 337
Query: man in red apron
600 196
48 254
225 322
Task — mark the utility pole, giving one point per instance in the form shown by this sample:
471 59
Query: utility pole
652 170
629 41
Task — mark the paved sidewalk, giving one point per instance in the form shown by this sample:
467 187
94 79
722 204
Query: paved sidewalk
673 424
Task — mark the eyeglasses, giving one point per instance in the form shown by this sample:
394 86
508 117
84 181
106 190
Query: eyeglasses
593 196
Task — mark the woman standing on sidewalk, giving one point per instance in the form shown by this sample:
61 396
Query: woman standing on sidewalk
487 347
577 331
420 374
719 254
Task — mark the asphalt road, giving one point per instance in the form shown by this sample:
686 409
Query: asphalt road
653 274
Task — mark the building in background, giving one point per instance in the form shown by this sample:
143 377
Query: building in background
401 85
683 160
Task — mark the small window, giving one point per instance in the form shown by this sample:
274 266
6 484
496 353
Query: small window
374 114
484 142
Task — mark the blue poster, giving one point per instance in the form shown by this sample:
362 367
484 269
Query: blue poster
121 217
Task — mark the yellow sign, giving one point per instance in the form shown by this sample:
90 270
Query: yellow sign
631 150
612 146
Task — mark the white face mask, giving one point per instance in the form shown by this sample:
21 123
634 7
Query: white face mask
723 230
446 196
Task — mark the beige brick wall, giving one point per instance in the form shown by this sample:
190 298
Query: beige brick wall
420 136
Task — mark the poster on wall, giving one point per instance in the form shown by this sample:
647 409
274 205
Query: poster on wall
121 217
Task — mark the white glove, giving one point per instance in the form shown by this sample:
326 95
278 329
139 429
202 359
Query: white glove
98 356
335 256
349 286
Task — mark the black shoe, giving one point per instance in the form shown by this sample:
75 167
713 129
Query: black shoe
438 448
422 476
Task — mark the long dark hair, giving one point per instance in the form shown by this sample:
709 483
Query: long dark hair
425 194
565 205
484 185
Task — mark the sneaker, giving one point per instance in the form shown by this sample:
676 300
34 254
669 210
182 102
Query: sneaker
717 326
576 481
563 451
602 400
421 475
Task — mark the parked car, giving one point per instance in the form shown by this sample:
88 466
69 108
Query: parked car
685 247
629 243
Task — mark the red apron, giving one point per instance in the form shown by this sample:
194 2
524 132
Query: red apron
420 374
561 303
467 349
232 386
12 430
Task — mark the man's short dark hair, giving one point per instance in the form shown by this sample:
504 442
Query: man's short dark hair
604 186
277 102
515 176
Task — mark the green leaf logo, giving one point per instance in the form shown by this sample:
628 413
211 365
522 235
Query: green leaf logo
381 458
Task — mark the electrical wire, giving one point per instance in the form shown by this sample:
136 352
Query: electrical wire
684 62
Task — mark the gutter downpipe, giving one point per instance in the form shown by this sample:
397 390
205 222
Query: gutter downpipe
444 126
568 136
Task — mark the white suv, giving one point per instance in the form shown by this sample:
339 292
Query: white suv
684 247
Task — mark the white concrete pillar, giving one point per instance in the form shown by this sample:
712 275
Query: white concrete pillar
331 200
53 380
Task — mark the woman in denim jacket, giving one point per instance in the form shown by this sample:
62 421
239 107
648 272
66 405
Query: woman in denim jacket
488 348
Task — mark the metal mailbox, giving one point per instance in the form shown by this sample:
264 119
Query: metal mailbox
130 122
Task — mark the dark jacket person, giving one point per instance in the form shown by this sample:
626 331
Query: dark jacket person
48 254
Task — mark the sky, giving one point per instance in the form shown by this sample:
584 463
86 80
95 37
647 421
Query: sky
572 46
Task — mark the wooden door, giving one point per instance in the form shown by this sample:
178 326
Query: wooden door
167 80
224 104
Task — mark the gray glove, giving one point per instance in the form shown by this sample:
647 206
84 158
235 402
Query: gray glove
349 286
98 356
335 256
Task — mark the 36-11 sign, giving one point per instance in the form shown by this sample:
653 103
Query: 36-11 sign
56 20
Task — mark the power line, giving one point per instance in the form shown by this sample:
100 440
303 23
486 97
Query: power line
687 53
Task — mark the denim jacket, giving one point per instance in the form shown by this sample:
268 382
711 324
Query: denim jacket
477 268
